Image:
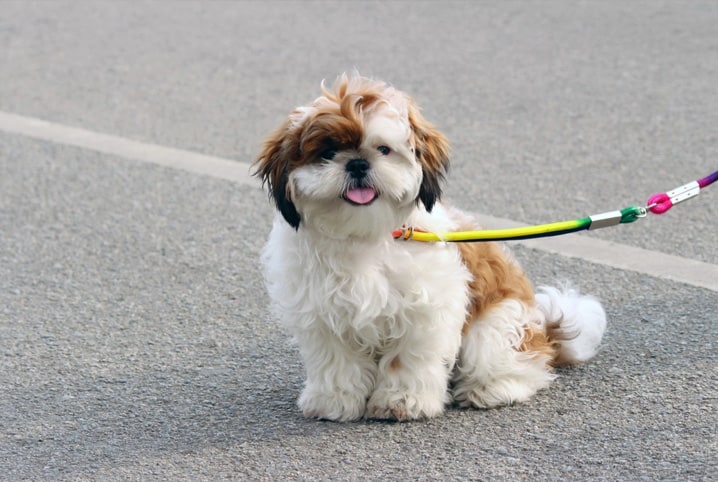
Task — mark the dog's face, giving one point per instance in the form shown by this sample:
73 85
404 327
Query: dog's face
354 162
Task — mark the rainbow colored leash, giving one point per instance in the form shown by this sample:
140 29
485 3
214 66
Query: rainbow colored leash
657 204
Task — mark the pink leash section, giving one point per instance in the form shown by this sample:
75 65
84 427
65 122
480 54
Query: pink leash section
662 202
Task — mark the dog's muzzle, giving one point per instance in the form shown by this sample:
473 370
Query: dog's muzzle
359 191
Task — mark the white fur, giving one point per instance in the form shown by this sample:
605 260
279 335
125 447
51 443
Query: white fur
582 320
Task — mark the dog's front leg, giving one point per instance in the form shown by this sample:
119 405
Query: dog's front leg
409 388
412 381
339 379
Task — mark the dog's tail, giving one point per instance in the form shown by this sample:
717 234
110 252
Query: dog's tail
575 322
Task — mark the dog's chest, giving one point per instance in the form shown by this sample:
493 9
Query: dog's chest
363 294
369 295
374 298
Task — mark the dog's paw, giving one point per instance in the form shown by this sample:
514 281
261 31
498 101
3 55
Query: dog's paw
496 394
402 407
339 406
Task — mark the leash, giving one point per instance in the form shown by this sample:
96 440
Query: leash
657 204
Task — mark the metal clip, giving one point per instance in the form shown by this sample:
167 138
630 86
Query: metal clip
603 220
662 202
404 233
684 192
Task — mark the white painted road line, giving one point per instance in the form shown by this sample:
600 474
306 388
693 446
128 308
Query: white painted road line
648 262
126 148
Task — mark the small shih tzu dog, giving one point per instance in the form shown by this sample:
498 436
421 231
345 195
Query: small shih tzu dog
397 329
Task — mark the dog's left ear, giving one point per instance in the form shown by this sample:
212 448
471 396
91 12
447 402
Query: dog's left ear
432 152
272 166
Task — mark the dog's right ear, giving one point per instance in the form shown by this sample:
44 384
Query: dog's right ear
432 152
272 166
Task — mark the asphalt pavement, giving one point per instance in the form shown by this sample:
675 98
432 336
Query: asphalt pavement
136 341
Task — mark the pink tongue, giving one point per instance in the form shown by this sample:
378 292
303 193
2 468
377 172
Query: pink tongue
361 195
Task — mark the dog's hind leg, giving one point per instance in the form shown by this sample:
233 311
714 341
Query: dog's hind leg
505 356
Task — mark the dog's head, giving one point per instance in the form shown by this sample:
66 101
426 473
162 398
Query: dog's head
354 162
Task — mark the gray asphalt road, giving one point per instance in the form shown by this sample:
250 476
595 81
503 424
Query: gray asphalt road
135 339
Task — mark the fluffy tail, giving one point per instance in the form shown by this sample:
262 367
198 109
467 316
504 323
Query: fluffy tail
574 321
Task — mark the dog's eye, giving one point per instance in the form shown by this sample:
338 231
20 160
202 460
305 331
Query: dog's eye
384 150
328 154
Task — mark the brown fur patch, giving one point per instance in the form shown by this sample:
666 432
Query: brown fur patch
495 277
395 363
539 343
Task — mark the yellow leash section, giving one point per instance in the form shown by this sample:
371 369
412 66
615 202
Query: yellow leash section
611 218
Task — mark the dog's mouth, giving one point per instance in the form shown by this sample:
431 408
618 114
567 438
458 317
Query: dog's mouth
360 196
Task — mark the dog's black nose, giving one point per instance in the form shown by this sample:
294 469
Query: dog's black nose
357 168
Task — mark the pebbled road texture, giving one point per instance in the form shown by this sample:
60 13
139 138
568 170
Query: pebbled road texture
135 338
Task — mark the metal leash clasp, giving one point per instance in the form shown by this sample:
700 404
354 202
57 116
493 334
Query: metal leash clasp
405 233
662 202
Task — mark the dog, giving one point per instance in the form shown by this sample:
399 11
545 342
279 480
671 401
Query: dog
394 329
